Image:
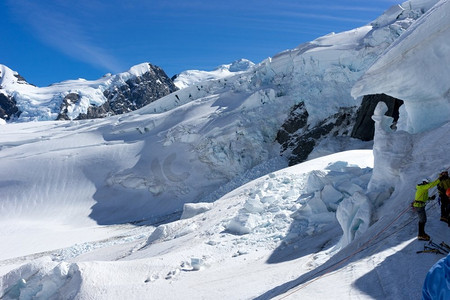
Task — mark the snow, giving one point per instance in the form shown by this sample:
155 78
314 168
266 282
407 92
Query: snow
188 197
192 77
44 103
192 209
203 232
412 69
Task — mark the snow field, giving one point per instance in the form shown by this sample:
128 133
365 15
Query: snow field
203 242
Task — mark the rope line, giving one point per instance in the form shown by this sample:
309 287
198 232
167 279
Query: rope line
364 246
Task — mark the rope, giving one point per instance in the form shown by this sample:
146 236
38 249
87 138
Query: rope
364 246
337 264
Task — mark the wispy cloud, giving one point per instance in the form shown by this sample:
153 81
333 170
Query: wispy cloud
319 16
57 25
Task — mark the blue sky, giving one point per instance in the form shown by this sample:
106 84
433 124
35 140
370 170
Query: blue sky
55 40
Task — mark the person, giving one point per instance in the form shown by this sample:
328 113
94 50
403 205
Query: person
443 185
419 203
437 281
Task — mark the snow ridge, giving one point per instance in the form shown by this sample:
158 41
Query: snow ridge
192 77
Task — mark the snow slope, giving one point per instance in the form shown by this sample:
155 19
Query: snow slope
287 229
219 215
191 77
254 222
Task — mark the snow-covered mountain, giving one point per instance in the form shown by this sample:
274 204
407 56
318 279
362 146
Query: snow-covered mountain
188 196
81 99
191 77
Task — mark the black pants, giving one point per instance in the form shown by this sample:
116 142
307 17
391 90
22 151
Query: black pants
422 214
445 206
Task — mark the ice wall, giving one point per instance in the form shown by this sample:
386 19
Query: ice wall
415 69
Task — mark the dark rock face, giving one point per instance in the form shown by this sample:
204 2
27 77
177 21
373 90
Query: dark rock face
8 108
134 94
70 99
21 79
138 92
8 105
297 139
364 128
296 121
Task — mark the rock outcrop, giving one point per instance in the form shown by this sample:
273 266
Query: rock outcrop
298 139
8 107
364 128
135 93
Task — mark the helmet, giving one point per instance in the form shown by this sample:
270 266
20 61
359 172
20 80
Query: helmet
447 192
424 181
444 173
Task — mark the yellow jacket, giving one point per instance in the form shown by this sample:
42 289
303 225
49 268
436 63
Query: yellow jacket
422 193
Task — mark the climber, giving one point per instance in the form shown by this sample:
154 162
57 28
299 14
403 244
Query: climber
443 185
419 205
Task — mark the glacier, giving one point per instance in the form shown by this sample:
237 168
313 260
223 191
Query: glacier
411 69
188 196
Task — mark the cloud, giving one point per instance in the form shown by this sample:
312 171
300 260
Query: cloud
319 16
55 24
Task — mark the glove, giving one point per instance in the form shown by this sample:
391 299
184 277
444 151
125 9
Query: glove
432 197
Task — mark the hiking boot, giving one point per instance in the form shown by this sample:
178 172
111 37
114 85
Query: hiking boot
444 219
423 237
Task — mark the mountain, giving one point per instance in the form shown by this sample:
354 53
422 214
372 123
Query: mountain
188 196
191 77
81 99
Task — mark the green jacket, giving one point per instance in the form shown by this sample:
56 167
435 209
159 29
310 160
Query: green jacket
422 193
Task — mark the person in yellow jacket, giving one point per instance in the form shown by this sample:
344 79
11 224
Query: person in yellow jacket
419 203
443 185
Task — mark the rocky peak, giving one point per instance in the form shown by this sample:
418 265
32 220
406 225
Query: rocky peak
138 90
82 99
